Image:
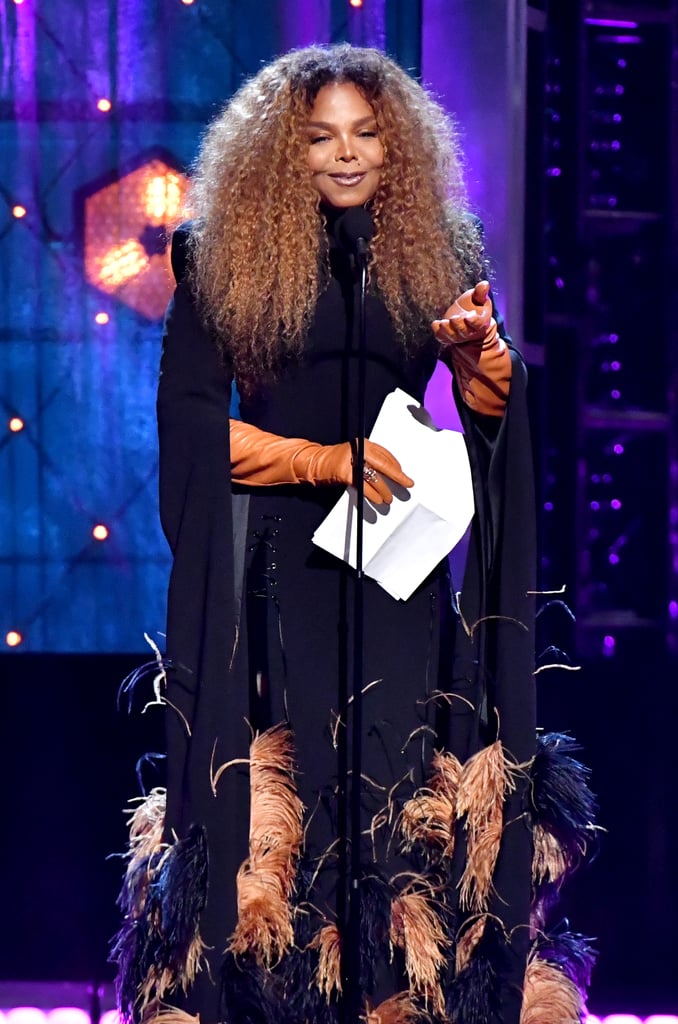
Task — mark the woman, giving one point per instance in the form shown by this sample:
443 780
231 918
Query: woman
240 886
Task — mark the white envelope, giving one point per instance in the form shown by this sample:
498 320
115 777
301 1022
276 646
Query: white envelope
404 541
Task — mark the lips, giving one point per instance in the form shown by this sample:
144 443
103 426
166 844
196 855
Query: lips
348 180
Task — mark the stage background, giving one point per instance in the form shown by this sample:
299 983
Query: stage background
101 110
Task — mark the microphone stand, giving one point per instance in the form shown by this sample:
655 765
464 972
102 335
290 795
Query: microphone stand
352 1009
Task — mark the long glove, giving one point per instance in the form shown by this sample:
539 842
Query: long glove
475 352
261 459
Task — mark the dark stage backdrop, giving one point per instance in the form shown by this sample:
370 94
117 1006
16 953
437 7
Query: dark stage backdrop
86 192
102 105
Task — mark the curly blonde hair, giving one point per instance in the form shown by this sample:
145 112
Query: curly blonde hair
258 254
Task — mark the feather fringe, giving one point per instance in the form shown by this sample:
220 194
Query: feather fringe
265 881
376 897
161 1013
158 948
549 995
397 1009
468 940
417 929
328 973
486 779
571 952
145 823
428 818
550 862
474 997
563 805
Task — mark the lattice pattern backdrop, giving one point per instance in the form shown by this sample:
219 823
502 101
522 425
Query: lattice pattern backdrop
89 92
102 106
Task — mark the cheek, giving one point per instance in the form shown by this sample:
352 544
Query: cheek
314 159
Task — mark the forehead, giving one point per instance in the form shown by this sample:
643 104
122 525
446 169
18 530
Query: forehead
340 101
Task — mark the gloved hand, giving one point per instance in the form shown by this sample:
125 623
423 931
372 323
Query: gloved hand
261 459
469 318
475 352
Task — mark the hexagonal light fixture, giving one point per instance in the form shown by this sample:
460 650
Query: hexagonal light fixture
126 227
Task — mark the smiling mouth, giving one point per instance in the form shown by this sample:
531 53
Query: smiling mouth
348 179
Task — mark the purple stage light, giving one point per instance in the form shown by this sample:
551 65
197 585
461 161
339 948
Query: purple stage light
616 503
610 23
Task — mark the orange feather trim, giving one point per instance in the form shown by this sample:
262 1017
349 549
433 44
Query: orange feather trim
430 815
146 821
265 881
468 940
486 779
549 862
162 1013
398 1009
417 929
328 973
549 996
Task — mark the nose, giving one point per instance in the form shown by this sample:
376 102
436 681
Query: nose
345 150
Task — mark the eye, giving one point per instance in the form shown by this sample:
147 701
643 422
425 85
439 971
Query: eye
318 138
368 133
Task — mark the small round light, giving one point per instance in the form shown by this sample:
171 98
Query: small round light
187 2
13 638
100 532
19 211
102 318
18 2
104 105
16 424
356 3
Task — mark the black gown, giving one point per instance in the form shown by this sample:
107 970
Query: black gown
259 644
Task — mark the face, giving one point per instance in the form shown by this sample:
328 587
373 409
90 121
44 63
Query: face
345 155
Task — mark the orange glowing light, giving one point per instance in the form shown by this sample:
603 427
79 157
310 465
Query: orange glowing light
102 318
100 532
356 3
121 263
187 2
126 233
104 105
163 198
13 638
16 424
19 211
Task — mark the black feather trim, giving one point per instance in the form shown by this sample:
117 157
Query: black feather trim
473 997
561 800
376 895
180 888
249 994
136 945
571 952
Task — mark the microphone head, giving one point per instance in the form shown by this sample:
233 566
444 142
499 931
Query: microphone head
356 223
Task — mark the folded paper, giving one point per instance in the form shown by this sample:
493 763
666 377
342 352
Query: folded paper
403 542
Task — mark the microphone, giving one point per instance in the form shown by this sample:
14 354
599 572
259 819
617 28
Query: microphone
356 230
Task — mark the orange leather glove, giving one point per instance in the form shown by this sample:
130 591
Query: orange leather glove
261 459
475 352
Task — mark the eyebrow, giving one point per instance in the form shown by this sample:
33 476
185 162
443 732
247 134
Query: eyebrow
354 124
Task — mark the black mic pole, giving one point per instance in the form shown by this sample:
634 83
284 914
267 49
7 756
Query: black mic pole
354 919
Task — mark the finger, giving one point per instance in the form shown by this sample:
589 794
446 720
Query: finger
382 460
480 293
378 491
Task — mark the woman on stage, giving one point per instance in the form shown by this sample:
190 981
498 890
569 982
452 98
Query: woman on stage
241 891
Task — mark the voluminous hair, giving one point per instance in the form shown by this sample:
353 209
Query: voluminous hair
259 259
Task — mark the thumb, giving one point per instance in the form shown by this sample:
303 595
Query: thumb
480 293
